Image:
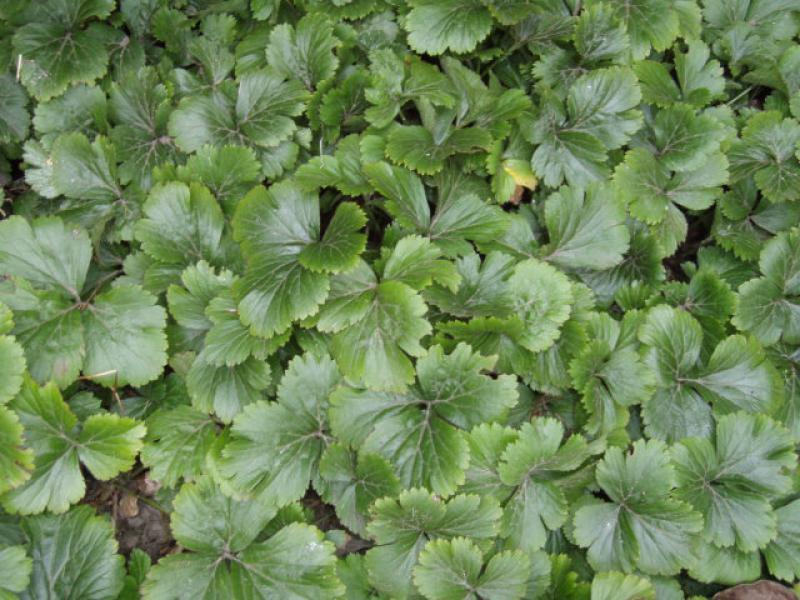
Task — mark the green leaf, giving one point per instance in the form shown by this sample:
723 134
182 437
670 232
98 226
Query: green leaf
56 481
587 228
617 586
274 449
353 481
574 137
651 190
541 300
708 298
46 253
138 565
12 368
261 115
206 521
458 217
49 329
783 553
58 54
106 444
599 36
227 557
395 82
273 227
416 147
401 528
6 319
673 342
731 481
766 151
701 80
420 431
609 374
463 218
140 106
94 573
341 244
376 325
125 341
534 463
201 284
342 107
82 108
785 360
483 290
739 376
229 342
58 338
649 23
304 52
15 568
745 220
14 116
684 140
177 443
767 306
436 26
182 224
417 263
487 442
229 172
342 170
405 195
16 461
658 86
642 526
727 566
455 569
85 170
225 390
564 582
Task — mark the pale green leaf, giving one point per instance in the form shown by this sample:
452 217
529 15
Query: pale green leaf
12 368
455 570
15 570
227 556
642 526
177 443
401 527
353 481
273 226
534 463
58 54
587 228
436 26
225 390
731 481
96 572
420 431
16 461
274 449
783 553
181 225
616 586
125 340
304 52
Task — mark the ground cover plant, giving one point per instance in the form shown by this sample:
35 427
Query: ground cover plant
487 299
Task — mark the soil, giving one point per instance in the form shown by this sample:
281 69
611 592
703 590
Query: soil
137 521
760 590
